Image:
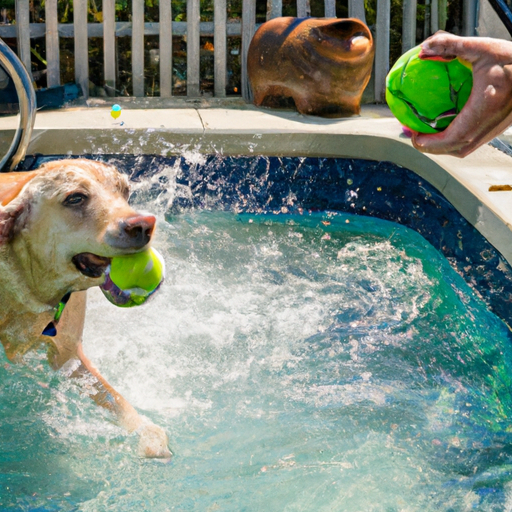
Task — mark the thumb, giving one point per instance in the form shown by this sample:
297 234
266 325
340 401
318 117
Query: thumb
435 143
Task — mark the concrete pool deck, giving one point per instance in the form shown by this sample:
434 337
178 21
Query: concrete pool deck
233 128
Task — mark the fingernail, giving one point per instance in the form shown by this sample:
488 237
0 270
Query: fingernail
407 132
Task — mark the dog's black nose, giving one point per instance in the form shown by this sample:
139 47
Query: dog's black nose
139 229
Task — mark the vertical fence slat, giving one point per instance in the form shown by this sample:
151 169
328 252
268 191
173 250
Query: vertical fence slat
469 17
356 10
330 8
274 9
220 47
409 25
193 47
382 48
434 16
109 45
23 33
165 43
442 13
52 44
426 20
248 29
303 9
81 45
138 47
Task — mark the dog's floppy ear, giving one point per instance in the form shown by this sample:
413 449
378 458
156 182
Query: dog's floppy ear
8 217
11 184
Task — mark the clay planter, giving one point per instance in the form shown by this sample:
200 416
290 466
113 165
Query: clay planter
322 65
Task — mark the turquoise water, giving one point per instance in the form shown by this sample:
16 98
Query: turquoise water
311 363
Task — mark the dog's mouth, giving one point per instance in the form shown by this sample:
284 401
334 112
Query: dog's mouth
91 265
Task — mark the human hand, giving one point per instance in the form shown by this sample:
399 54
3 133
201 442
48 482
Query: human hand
488 111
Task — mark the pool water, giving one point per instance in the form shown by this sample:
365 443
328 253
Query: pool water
314 362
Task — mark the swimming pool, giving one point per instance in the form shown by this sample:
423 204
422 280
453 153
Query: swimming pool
300 356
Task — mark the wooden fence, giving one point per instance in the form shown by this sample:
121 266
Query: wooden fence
193 28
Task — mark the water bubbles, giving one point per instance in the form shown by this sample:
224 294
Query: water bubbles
162 189
194 157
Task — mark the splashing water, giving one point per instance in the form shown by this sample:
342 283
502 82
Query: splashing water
318 362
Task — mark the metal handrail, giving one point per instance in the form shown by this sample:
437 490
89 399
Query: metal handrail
504 12
27 102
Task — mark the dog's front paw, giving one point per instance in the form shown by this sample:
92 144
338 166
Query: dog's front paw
153 442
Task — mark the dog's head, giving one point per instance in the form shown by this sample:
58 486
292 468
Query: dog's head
65 221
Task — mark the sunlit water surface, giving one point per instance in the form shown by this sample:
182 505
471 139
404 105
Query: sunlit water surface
309 363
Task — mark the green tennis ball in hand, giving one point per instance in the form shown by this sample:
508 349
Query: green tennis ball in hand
131 280
426 95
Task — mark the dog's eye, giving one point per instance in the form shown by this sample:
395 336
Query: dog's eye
75 199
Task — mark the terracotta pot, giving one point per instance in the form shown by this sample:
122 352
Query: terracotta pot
322 65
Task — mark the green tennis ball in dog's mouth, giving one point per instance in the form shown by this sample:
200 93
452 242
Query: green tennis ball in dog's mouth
131 280
427 95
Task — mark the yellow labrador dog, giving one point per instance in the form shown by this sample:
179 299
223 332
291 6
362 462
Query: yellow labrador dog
59 227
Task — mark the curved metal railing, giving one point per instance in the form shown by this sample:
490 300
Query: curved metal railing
27 102
504 12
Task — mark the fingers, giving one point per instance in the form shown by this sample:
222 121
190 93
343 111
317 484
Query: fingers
439 144
462 137
454 144
466 133
440 46
448 46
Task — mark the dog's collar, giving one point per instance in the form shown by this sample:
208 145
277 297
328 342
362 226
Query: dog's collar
51 328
